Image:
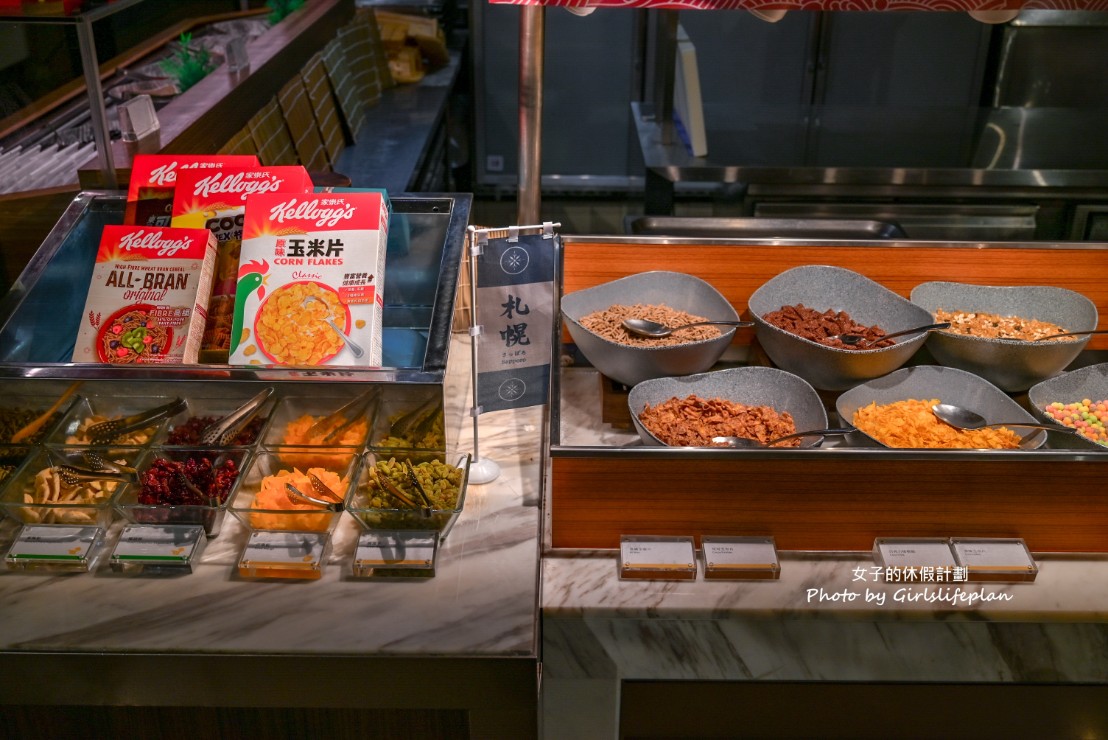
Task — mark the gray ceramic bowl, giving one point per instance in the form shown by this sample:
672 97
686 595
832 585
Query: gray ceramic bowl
823 288
751 386
1087 382
948 384
1010 364
631 365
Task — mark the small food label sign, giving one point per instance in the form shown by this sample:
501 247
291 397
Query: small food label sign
55 547
284 555
396 553
999 559
657 558
913 552
168 546
740 558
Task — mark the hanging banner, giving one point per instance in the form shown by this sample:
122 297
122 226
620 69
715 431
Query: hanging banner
515 309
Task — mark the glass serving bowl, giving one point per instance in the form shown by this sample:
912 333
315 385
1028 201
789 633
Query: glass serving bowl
262 501
160 497
443 474
36 492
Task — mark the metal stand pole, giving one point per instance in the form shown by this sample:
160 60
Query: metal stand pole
91 67
481 470
532 40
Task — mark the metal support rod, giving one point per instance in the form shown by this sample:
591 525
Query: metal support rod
532 42
661 54
474 335
87 46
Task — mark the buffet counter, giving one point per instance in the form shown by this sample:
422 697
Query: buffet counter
836 646
462 641
678 658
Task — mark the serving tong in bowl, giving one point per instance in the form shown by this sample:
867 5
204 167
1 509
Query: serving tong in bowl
222 432
425 504
323 497
356 410
107 431
99 469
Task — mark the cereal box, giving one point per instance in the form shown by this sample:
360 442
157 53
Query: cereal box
310 278
153 176
148 296
216 200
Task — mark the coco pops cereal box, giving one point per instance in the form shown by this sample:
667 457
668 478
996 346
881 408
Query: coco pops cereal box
154 176
215 199
310 277
148 296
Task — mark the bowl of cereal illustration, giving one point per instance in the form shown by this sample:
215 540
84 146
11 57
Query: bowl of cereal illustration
593 316
133 334
994 329
302 323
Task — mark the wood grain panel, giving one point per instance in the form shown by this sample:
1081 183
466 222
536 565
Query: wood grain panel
737 270
838 503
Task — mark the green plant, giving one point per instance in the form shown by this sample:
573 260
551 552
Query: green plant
187 65
278 9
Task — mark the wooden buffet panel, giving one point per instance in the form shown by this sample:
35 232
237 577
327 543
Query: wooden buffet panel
833 499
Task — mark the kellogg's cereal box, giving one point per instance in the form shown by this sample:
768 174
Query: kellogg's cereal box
216 200
148 296
310 278
153 176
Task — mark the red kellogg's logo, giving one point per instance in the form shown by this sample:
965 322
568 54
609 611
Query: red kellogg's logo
310 210
154 242
235 184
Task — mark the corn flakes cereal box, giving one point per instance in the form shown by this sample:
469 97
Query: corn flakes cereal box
148 297
153 177
310 280
215 199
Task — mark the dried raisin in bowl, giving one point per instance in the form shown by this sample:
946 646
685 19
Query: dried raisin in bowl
1013 365
829 288
749 386
160 497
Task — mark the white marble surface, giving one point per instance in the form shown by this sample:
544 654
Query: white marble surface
481 602
813 624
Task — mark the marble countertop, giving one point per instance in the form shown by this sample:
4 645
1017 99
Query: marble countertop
482 601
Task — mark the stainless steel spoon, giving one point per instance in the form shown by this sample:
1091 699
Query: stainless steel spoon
963 418
1070 334
350 343
654 330
856 339
747 442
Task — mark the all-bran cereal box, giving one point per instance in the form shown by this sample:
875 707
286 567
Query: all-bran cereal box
310 278
216 200
148 296
153 177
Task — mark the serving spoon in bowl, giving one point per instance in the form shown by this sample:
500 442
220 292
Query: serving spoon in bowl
654 330
962 418
855 340
1070 334
748 442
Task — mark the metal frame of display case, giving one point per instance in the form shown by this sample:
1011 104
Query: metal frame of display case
15 307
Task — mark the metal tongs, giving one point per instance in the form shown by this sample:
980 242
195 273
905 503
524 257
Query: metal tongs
72 475
392 488
107 431
415 422
183 479
222 432
322 494
356 410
